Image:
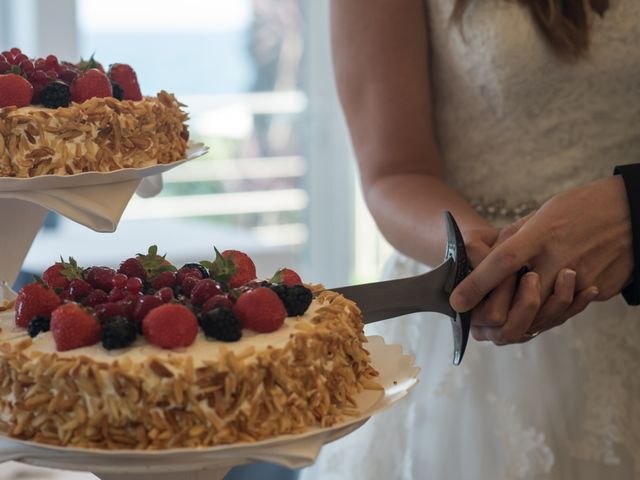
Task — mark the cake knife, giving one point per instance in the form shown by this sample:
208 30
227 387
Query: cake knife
428 292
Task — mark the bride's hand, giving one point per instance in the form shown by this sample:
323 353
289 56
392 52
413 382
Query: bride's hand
587 230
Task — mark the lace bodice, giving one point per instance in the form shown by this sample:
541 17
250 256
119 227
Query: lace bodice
515 121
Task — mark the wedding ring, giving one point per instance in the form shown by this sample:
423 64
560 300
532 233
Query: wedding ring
531 334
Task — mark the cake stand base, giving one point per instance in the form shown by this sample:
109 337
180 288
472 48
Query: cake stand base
215 474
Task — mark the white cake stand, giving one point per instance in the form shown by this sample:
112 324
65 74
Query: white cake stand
398 375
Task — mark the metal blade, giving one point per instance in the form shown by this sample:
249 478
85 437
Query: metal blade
393 298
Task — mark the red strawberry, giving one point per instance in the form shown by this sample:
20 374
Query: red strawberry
233 267
34 299
260 310
286 276
92 83
126 77
203 290
15 91
170 326
217 301
132 267
53 276
73 327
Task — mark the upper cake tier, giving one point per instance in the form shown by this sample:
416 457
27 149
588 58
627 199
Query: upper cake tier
61 118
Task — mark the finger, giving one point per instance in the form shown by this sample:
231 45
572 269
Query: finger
562 297
526 305
505 260
493 312
581 301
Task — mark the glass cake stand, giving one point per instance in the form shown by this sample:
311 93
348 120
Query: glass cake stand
398 375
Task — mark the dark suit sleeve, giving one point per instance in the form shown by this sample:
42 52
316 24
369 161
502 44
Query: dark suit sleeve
631 176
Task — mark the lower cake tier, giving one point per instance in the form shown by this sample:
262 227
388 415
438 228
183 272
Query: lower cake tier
304 375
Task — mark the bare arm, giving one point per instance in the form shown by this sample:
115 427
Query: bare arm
381 63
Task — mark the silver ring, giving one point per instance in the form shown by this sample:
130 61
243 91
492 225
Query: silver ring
531 334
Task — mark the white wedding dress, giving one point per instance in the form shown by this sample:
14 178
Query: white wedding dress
515 126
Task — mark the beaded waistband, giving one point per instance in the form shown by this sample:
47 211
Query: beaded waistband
499 210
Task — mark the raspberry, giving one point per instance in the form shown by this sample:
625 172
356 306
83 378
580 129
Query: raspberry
110 309
144 305
55 95
15 91
221 324
232 268
286 276
73 327
53 276
132 267
119 280
217 301
188 283
117 332
164 279
100 277
260 310
39 323
96 297
190 270
203 290
165 294
90 84
79 289
170 326
296 299
117 294
34 299
134 285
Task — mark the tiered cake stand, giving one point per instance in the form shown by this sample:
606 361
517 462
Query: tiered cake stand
97 200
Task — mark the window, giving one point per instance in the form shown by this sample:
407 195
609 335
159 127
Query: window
256 75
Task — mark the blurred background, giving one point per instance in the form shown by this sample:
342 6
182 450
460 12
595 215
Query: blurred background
279 181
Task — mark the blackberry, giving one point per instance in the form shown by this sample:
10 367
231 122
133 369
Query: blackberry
55 95
222 324
296 298
38 324
118 92
197 266
117 332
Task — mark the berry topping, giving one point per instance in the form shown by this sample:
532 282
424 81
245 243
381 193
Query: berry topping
144 305
170 326
117 294
100 277
117 332
55 95
260 310
39 323
188 283
96 297
90 84
216 301
34 299
132 267
73 327
286 276
118 92
164 279
203 290
54 277
119 280
15 91
233 268
296 298
134 285
126 77
110 309
221 324
79 289
192 270
165 294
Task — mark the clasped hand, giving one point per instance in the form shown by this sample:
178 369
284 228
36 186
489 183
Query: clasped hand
577 248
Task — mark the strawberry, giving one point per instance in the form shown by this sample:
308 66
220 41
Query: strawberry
15 91
153 263
126 77
73 327
286 276
53 276
90 84
260 310
203 290
34 299
170 326
232 267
